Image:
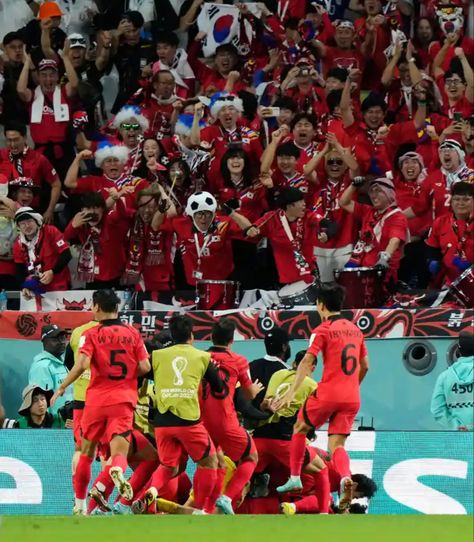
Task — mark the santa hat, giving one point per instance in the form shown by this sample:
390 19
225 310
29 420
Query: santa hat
129 112
221 99
106 150
184 124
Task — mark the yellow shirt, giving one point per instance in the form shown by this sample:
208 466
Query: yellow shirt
81 384
178 371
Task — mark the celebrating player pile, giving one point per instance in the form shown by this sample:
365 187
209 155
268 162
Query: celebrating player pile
192 406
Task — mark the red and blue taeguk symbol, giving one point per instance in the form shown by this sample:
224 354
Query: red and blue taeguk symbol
222 28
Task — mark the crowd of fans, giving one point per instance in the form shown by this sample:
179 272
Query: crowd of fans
339 136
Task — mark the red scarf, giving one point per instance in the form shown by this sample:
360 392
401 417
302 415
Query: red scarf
145 247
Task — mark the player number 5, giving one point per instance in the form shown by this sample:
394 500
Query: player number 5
348 363
120 364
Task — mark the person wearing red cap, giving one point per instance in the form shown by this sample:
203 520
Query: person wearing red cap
383 227
50 110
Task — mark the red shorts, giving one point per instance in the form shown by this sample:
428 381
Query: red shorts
271 451
101 423
76 425
172 442
235 442
340 415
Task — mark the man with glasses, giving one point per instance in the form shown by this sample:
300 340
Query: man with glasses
48 370
450 243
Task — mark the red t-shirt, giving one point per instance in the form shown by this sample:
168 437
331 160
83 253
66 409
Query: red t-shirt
454 238
408 193
343 58
327 205
304 232
342 346
49 130
376 232
253 200
215 247
159 116
217 409
115 350
466 43
102 184
35 166
109 258
434 196
50 245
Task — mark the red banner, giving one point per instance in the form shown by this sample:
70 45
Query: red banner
253 324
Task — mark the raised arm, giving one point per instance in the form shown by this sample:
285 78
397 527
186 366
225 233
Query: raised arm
25 94
189 17
73 172
468 73
195 129
268 155
387 75
71 74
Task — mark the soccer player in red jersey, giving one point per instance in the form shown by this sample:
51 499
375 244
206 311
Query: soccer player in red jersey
220 417
117 356
337 398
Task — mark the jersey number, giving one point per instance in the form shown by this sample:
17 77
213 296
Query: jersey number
114 362
462 388
348 363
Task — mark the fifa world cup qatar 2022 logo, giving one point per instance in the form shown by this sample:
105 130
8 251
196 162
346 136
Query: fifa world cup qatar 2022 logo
179 365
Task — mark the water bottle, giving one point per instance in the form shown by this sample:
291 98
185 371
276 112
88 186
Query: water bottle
3 300
127 296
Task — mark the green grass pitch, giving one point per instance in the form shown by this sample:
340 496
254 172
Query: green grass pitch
238 528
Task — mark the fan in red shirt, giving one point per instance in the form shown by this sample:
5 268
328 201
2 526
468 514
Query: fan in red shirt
226 109
337 398
102 235
292 232
383 227
408 182
42 254
149 251
344 54
220 417
302 86
205 242
225 61
451 239
456 89
435 193
335 249
116 356
112 159
50 108
18 160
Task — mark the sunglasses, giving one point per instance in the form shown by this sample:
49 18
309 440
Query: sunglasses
335 162
127 126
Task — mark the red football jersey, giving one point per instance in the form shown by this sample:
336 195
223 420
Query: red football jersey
115 350
342 346
218 408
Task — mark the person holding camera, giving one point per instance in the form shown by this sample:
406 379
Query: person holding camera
101 234
41 254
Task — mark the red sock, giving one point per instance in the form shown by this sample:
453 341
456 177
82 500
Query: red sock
307 505
341 463
298 447
184 487
170 490
323 490
203 484
120 460
241 476
140 477
82 476
104 483
215 493
161 477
